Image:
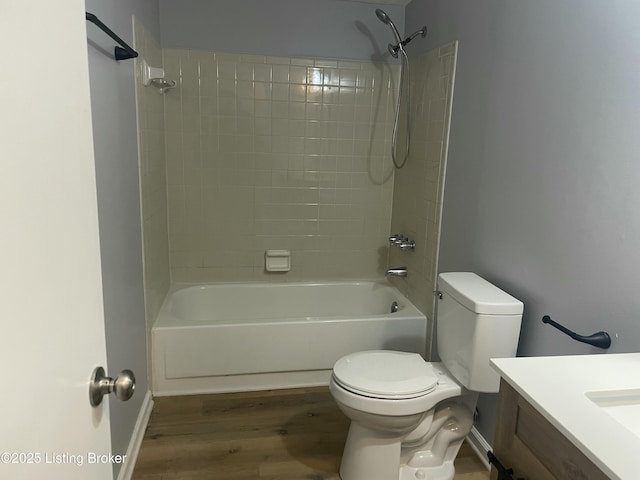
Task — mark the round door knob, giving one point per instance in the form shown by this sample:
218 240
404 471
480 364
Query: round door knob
123 386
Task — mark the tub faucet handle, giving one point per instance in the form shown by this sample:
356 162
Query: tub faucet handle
402 242
407 244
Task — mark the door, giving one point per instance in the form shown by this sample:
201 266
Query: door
52 314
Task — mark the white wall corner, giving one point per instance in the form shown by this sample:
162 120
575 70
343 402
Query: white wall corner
126 472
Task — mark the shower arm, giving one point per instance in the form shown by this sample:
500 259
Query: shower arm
422 32
394 49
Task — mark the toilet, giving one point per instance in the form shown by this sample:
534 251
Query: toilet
409 417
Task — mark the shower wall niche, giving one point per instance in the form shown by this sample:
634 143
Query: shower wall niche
277 153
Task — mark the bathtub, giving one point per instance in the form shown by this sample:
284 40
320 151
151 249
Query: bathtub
239 337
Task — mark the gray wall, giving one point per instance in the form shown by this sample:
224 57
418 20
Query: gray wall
542 181
543 178
293 28
116 155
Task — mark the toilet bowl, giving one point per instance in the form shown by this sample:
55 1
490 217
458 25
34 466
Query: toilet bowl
408 416
387 424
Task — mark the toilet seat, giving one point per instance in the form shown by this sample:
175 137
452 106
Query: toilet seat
385 374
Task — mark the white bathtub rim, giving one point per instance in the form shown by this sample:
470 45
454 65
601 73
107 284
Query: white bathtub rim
376 280
176 287
286 321
166 320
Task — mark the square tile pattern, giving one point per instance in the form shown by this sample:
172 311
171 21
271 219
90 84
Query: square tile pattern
277 153
251 153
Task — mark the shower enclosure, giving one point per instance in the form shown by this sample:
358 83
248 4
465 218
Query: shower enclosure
252 152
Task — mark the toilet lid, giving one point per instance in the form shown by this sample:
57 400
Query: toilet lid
385 374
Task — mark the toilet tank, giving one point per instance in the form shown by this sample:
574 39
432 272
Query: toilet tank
476 322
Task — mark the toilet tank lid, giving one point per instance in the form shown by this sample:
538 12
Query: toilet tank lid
478 295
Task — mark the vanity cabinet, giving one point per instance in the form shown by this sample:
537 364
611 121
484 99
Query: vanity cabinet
535 449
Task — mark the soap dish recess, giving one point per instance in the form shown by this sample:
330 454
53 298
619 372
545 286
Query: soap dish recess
277 260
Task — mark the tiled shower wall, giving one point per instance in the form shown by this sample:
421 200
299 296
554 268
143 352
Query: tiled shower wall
418 187
288 153
277 153
153 179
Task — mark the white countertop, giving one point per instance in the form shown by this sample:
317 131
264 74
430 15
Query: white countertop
557 387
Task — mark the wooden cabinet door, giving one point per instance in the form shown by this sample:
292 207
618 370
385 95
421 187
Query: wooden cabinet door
528 443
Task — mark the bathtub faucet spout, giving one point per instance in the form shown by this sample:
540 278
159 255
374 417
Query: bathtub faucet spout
396 272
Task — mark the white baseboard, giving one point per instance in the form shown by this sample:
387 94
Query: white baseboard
480 446
126 471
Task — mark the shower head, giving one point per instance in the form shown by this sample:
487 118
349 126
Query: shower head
384 18
400 44
382 15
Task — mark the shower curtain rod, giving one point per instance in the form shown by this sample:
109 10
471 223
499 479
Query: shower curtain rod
124 51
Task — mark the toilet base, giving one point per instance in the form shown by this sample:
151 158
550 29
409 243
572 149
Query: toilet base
445 471
369 456
372 454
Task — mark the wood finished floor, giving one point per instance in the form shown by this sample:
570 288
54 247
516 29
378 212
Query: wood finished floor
294 434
